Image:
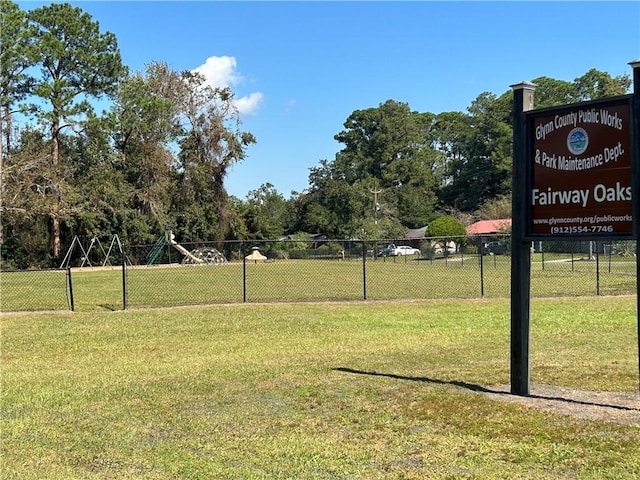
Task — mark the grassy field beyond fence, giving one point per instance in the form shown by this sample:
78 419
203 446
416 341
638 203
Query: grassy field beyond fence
458 276
358 390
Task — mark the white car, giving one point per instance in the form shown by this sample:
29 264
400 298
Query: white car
404 250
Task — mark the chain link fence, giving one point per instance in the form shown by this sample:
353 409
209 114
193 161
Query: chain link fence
31 290
172 274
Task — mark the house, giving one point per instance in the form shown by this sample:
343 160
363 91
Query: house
489 227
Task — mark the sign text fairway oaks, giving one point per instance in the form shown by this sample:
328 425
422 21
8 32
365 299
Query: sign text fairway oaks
580 170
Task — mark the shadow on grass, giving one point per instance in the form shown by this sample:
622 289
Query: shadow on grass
479 388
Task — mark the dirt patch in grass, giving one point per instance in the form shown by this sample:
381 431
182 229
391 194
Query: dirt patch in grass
613 407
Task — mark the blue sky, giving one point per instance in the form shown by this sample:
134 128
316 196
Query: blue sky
299 69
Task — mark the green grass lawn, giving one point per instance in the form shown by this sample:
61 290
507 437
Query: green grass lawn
310 280
366 390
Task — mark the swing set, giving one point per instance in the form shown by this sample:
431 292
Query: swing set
96 246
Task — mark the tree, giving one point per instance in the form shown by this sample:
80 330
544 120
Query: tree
27 173
103 194
387 149
16 56
482 168
77 63
550 92
477 146
448 229
334 206
177 139
144 119
445 226
495 208
235 213
592 85
596 84
450 133
211 143
265 213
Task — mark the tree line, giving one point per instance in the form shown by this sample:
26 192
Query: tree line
157 157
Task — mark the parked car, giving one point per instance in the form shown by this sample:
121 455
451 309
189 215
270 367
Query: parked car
387 251
492 248
450 249
404 250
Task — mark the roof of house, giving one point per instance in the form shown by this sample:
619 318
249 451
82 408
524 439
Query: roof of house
416 233
485 227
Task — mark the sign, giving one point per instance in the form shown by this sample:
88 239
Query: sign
580 170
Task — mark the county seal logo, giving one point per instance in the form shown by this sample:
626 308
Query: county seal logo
577 141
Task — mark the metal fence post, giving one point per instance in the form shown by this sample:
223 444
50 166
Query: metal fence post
364 270
481 272
481 264
244 273
70 285
597 268
125 298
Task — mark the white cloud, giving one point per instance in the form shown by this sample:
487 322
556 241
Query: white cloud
249 104
220 72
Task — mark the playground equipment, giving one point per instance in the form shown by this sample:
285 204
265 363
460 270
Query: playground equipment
202 255
188 255
255 255
205 255
86 254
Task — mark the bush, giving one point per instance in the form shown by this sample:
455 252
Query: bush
278 255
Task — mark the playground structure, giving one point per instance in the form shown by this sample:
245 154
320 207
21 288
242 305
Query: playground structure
255 255
95 245
198 256
188 255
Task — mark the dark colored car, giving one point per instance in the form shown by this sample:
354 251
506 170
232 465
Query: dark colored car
492 248
387 251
